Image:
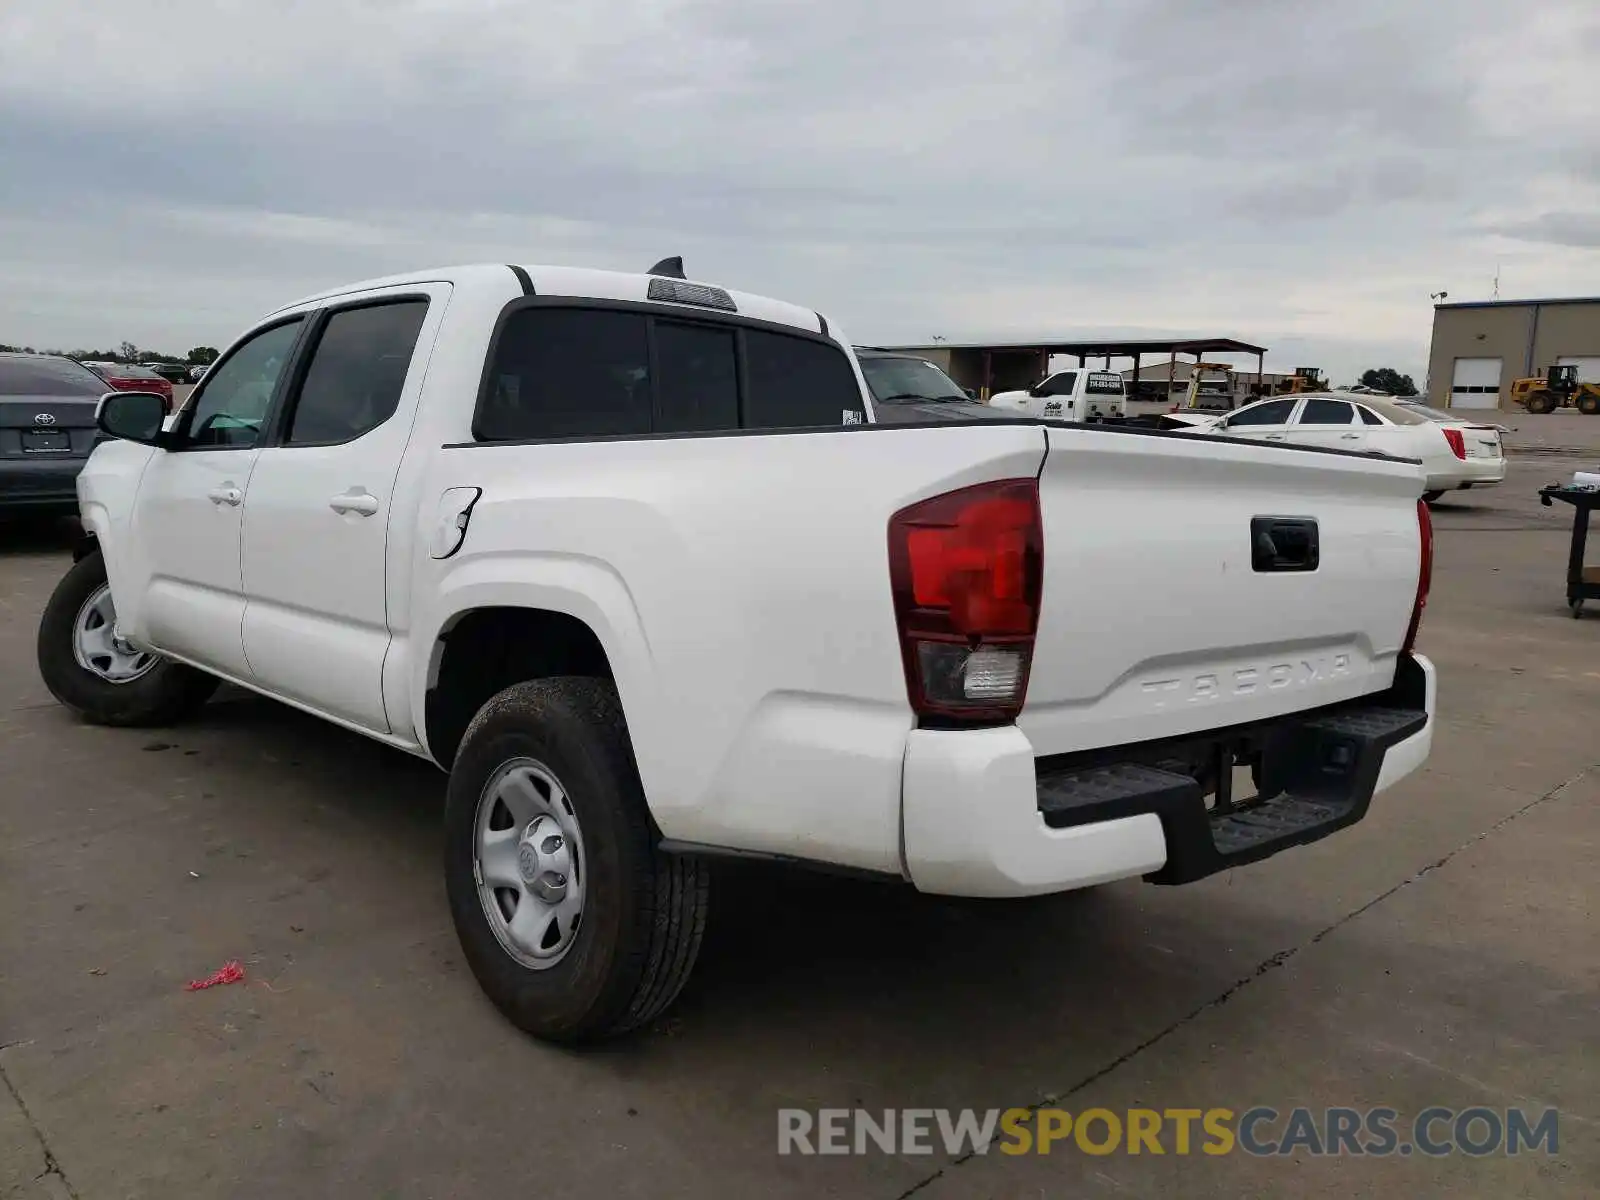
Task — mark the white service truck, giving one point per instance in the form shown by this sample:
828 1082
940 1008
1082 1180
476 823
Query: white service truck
1078 395
634 561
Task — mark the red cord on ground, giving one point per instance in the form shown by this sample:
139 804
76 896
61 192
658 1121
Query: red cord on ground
230 973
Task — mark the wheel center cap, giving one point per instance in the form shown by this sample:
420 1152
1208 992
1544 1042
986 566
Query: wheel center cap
528 861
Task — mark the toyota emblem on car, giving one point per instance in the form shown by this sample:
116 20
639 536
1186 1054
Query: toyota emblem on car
44 418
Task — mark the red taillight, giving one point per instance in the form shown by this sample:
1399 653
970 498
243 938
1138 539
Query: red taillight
966 570
1458 444
1424 573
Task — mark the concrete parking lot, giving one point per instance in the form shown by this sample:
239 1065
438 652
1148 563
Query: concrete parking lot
1444 952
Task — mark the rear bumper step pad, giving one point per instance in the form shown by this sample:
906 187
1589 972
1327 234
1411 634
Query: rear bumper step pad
1318 774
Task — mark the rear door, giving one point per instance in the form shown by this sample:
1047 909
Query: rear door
1323 421
316 518
1102 395
1165 619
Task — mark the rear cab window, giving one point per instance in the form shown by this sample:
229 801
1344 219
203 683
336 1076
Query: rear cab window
582 371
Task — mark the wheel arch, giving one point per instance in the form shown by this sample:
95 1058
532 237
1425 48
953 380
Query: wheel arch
482 650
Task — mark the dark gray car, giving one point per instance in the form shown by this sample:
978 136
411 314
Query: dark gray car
907 389
47 407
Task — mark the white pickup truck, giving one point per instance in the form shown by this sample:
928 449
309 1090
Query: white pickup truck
634 561
1078 395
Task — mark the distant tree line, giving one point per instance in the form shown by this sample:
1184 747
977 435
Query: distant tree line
127 352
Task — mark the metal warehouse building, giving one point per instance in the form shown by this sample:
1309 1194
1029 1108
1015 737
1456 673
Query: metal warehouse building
1480 347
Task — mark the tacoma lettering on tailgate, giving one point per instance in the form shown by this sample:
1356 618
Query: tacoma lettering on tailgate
1242 681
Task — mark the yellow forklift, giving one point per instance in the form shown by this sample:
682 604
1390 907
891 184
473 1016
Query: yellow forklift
1557 388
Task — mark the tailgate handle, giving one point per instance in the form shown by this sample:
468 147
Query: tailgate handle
1284 544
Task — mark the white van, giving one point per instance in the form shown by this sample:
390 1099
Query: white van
1076 395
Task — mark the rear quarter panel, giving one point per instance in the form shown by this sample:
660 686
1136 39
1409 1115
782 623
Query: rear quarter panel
740 588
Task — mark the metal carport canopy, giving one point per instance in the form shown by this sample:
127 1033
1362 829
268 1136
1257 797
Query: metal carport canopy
1107 348
1102 347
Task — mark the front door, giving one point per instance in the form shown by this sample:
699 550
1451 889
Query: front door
184 591
316 627
1267 421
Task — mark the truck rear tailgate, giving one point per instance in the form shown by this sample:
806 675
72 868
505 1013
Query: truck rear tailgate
1163 613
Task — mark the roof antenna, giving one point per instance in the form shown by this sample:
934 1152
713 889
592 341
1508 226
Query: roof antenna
669 268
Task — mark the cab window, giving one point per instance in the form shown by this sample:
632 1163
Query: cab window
231 405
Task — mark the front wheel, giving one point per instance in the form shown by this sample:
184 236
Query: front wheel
88 665
575 924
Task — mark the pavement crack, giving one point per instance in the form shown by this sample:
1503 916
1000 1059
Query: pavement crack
51 1166
1265 967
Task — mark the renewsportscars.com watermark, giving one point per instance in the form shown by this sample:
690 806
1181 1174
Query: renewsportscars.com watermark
1261 1131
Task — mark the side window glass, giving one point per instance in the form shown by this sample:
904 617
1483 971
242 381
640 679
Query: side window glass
357 372
1273 412
1060 384
697 378
797 383
233 399
1327 412
1368 417
567 372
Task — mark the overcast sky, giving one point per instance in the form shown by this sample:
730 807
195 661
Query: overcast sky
1297 173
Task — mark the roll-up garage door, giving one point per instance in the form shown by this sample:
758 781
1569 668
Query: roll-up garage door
1588 367
1476 383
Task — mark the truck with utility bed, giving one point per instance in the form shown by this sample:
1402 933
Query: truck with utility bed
1076 395
635 561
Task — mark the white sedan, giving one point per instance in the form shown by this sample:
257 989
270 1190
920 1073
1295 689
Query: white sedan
1455 453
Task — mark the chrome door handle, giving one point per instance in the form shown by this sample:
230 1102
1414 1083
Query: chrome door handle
363 504
1351 437
227 494
1275 437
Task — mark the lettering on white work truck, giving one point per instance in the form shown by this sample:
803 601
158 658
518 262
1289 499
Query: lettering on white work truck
1244 681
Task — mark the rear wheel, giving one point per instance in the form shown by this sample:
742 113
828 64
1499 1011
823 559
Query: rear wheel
576 926
92 669
1589 404
1541 402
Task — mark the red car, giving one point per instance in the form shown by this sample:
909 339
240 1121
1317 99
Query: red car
125 377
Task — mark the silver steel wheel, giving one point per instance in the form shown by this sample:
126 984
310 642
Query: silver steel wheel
100 649
528 863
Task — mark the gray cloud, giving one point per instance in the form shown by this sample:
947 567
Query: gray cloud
1296 174
1580 230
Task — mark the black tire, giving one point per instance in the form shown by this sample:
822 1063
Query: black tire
165 694
1430 497
644 912
1541 402
1589 404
